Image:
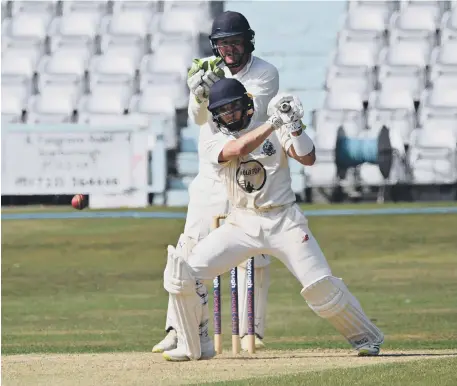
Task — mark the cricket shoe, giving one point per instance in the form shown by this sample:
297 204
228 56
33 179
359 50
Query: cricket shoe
370 349
178 354
170 342
259 345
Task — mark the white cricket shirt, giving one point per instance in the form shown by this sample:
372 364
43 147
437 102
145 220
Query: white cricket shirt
260 180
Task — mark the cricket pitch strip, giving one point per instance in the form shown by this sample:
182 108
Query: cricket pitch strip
151 369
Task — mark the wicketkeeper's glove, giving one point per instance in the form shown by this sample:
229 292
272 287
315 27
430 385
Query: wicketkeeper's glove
202 75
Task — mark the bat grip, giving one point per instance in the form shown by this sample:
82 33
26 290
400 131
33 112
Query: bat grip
285 107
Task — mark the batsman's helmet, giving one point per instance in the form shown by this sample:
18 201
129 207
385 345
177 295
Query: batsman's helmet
230 23
226 97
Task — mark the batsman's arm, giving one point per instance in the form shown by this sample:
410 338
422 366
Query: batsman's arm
306 160
246 143
291 140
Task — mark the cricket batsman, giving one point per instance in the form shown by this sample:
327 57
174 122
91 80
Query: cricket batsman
263 218
232 42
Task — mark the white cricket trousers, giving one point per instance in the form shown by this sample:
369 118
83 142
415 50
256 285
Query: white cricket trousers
281 232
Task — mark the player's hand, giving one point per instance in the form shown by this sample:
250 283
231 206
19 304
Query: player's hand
287 106
202 75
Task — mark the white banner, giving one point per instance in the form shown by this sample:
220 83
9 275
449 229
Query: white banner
39 161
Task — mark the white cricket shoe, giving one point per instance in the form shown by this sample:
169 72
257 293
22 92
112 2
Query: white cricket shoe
170 342
259 345
370 349
178 354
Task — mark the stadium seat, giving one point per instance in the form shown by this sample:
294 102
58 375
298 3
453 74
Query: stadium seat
160 111
26 31
171 68
12 107
64 68
402 78
78 30
113 69
394 109
432 156
432 6
176 90
18 66
107 102
177 197
366 21
187 163
126 29
382 7
438 103
416 22
359 80
188 141
100 7
51 106
150 7
44 7
449 26
366 42
354 55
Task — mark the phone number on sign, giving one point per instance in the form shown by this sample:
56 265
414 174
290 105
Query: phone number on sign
59 182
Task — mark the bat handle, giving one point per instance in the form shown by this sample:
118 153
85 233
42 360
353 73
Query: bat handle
285 107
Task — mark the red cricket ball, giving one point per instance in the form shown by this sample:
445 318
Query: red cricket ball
79 202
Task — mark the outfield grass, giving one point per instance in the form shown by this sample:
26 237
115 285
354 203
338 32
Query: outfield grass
96 285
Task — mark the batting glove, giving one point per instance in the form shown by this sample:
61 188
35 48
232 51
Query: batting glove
202 76
294 127
288 106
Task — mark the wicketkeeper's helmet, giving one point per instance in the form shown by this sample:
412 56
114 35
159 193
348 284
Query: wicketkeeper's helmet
226 97
228 24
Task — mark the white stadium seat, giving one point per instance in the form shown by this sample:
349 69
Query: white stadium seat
26 31
432 156
366 21
88 7
188 141
46 7
449 26
151 7
113 69
12 106
51 106
158 109
402 78
438 103
355 79
77 29
354 55
346 36
64 68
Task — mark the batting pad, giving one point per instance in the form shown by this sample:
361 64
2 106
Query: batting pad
329 298
184 249
186 304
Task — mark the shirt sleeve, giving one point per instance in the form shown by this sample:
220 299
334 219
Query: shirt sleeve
198 112
213 145
263 91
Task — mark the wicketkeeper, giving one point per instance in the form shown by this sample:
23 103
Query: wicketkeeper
232 40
